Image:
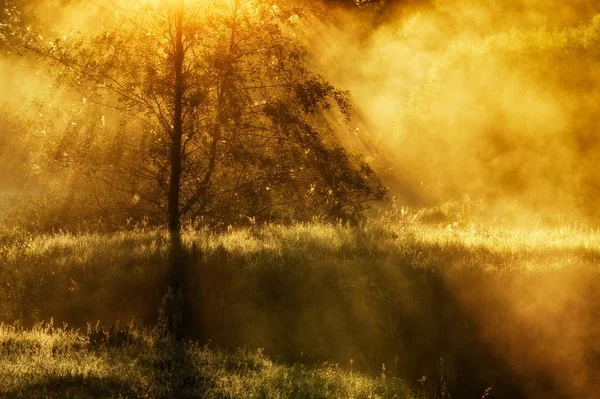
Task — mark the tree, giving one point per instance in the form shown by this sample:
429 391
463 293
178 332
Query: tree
176 156
223 117
250 126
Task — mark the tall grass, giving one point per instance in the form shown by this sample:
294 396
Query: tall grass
50 362
448 307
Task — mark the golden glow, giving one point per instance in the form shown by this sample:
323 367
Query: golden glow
485 104
493 99
484 98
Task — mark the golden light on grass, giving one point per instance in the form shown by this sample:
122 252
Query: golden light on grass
480 116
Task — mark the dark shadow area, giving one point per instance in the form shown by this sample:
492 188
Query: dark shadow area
405 317
74 387
434 312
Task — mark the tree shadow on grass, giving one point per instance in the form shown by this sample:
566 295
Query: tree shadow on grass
432 311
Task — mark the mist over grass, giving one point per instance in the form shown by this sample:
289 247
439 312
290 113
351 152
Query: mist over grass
467 305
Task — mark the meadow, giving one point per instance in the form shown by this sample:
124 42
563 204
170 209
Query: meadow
412 305
215 147
51 362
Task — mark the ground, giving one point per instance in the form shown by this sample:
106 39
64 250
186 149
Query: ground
49 362
391 308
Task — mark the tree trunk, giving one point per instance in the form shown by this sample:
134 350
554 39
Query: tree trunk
177 261
175 179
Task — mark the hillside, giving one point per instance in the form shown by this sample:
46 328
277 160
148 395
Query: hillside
457 307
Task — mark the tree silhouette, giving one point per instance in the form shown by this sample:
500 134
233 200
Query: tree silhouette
225 118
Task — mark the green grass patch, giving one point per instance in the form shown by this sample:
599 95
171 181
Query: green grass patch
49 362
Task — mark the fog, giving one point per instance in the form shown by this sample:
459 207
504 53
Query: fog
488 102
494 100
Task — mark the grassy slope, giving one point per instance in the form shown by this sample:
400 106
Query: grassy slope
58 363
468 307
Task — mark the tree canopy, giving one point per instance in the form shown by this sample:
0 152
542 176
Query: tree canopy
259 123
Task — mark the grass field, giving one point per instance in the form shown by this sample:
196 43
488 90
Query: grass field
369 311
48 362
